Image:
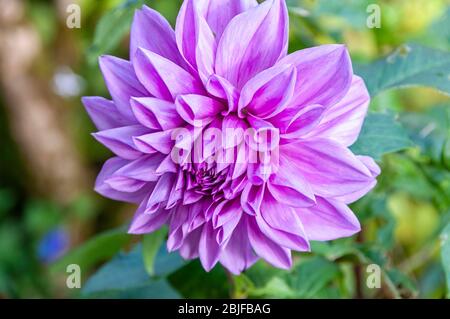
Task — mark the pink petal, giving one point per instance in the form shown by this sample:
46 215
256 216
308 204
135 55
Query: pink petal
221 88
101 187
238 255
342 122
197 110
328 220
155 142
330 169
324 75
104 113
266 94
163 78
220 13
120 140
143 223
122 83
296 123
155 114
151 31
252 42
209 249
267 249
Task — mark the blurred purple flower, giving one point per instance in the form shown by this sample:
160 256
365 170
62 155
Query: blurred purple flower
284 122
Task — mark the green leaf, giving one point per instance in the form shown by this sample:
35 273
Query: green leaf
125 275
150 246
430 130
445 255
97 249
111 28
380 134
310 277
409 65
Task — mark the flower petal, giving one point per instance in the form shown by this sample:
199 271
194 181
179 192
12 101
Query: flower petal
208 249
163 78
296 123
328 220
238 255
221 88
330 169
120 140
142 169
324 75
101 187
262 34
280 223
342 122
104 113
197 110
265 248
266 94
155 113
374 170
151 31
143 223
122 83
155 142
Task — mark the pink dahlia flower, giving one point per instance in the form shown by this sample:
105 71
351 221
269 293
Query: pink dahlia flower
240 148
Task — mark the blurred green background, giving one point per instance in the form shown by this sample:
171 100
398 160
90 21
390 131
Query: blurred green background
50 216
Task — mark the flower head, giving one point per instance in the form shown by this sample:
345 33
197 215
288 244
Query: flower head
240 148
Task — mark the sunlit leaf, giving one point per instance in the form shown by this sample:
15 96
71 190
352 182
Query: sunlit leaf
380 134
150 246
445 255
112 27
409 65
125 275
97 249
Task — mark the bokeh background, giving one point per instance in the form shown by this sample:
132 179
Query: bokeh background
50 216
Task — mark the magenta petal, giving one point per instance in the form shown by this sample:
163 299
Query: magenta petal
374 170
122 83
238 255
104 113
155 114
143 223
266 94
324 75
252 42
209 249
161 192
328 220
251 198
189 248
331 169
197 110
288 186
280 223
297 123
163 78
342 122
151 31
155 142
206 47
142 169
120 140
220 13
221 88
233 131
101 187
267 249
